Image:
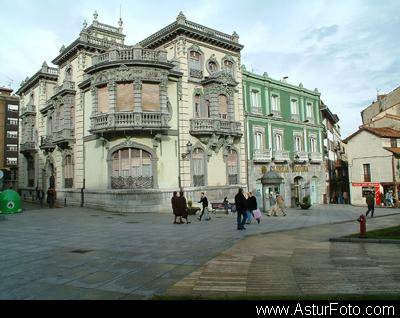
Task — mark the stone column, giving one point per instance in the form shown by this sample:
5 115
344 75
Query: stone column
112 97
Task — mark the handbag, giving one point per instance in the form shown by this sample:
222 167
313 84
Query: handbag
257 214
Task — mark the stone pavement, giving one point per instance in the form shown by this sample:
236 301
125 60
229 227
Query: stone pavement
299 262
77 253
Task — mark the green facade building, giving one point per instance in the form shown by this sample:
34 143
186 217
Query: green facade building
284 135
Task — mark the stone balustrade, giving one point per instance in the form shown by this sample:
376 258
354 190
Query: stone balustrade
27 146
214 125
66 86
262 155
28 110
132 54
281 156
300 156
316 157
63 135
47 143
129 121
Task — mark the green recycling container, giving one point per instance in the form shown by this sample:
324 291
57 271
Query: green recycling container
10 202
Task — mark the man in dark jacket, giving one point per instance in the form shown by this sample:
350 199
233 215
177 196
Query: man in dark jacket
241 207
370 200
204 202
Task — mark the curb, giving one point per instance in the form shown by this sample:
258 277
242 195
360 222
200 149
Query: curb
364 240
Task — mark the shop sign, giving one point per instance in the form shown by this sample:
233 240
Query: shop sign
300 168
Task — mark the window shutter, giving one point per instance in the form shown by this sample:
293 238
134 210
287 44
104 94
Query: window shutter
102 100
125 98
150 97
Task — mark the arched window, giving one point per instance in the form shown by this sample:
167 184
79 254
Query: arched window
68 172
198 170
50 126
31 173
232 163
313 145
258 140
72 116
229 66
32 99
207 113
278 142
197 106
223 106
131 168
297 143
195 64
68 73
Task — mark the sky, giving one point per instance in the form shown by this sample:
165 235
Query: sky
348 49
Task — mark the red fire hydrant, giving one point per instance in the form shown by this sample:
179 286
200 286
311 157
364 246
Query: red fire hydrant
363 225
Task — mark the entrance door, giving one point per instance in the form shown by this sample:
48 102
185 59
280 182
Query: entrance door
314 191
298 189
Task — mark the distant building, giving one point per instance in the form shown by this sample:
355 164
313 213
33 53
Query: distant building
337 180
373 156
9 137
284 135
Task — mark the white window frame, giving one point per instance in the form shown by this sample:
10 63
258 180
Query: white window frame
12 147
258 140
294 106
255 98
298 143
278 136
309 109
10 134
12 108
313 144
11 120
275 102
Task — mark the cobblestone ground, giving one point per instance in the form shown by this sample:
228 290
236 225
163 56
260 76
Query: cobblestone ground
77 253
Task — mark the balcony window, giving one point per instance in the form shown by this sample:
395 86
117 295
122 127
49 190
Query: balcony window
50 126
31 173
125 98
12 134
297 143
131 168
223 106
309 110
102 100
207 109
232 163
150 97
278 142
255 101
68 172
198 163
294 107
228 65
258 140
12 161
275 103
12 108
367 172
12 121
197 106
12 147
195 67
313 145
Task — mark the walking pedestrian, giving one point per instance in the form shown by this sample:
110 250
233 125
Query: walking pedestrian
183 209
280 202
252 206
240 202
204 202
370 200
51 197
249 212
174 204
40 196
226 205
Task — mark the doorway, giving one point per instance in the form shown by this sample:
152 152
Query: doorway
314 190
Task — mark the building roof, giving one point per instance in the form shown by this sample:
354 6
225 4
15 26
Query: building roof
334 118
383 132
182 26
394 150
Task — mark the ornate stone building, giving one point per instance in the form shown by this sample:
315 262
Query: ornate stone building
120 127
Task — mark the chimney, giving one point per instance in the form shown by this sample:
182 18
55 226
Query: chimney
284 80
5 91
380 97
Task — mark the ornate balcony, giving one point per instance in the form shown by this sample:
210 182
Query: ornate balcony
133 54
262 155
195 73
123 121
209 126
132 182
27 147
300 156
46 143
28 110
316 157
66 87
281 156
63 136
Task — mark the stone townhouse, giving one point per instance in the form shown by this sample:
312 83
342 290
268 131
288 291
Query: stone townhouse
120 127
284 140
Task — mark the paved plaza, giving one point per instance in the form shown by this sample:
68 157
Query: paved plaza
78 253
